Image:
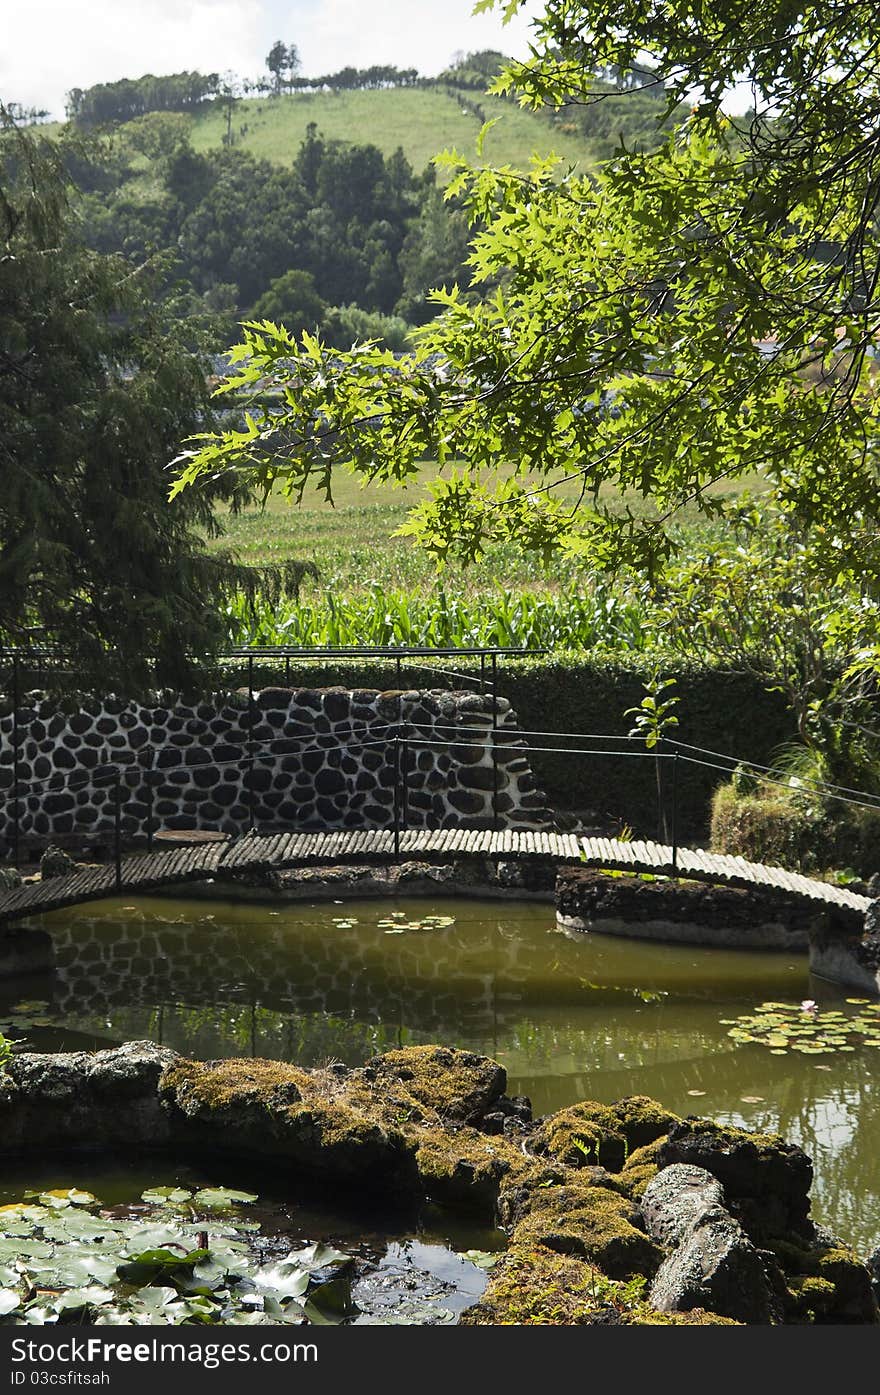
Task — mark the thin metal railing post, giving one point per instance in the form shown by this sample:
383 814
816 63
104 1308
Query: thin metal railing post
404 776
150 798
396 768
16 817
252 792
674 819
494 731
117 829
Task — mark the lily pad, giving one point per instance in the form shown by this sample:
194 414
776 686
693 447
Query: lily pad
169 1195
483 1259
222 1197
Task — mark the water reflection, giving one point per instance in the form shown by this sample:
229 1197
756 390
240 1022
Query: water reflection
569 1017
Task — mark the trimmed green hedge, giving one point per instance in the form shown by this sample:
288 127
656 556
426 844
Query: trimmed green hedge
727 712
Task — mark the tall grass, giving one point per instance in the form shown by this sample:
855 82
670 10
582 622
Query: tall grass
565 619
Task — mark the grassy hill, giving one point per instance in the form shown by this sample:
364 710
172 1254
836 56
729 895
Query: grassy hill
423 121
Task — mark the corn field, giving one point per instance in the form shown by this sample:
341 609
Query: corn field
571 620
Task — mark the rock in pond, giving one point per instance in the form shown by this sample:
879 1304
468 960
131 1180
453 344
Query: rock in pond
616 1213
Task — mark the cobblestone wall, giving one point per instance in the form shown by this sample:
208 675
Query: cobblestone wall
300 758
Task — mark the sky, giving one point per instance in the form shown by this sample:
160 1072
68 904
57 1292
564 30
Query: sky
50 46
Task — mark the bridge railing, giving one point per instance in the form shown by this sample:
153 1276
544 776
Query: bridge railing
401 741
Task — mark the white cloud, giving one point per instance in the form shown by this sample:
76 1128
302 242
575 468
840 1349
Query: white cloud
51 46
409 33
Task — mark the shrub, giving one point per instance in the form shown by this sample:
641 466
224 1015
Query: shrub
789 829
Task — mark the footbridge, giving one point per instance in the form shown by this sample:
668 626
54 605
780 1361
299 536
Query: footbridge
254 852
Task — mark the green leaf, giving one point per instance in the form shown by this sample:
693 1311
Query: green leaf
221 1197
170 1195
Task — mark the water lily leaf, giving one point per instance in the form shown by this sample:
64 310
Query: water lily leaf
221 1197
318 1256
25 1246
79 1225
144 1268
284 1280
483 1259
102 1270
331 1303
170 1195
209 1272
93 1297
10 1299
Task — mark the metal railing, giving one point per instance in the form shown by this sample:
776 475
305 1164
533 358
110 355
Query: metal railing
400 740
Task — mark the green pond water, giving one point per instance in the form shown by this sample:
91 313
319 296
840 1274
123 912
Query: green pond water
570 1017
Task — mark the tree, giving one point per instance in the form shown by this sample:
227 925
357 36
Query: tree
721 290
98 380
282 59
293 301
762 603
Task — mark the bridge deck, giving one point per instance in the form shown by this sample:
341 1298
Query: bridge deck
263 851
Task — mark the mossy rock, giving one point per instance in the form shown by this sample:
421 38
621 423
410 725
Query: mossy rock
269 1107
640 1168
809 1268
466 1169
594 1223
515 1197
811 1299
642 1121
537 1287
591 1133
853 1292
459 1085
582 1135
218 1088
752 1167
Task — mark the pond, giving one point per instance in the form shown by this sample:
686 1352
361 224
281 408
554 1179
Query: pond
277 1257
570 1017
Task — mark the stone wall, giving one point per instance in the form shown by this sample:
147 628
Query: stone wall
322 758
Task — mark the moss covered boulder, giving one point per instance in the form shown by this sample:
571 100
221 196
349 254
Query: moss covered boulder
601 1134
595 1223
826 1283
465 1169
640 1168
538 1287
270 1108
460 1086
766 1180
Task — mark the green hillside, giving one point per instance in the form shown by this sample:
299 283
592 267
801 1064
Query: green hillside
423 120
